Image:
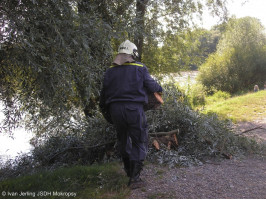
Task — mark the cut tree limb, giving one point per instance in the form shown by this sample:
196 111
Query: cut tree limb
160 134
167 138
155 143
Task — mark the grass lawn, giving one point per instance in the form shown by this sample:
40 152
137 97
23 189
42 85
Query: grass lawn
247 107
89 182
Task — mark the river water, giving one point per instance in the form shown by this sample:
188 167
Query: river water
183 79
10 147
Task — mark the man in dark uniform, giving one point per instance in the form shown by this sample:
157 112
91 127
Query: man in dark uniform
124 93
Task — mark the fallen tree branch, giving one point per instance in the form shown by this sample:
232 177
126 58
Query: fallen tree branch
254 128
159 134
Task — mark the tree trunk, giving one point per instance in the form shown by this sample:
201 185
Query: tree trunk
140 13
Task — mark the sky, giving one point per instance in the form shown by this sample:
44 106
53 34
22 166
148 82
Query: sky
240 8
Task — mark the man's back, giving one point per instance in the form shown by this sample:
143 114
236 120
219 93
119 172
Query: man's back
128 82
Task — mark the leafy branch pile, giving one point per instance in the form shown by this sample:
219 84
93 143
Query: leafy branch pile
201 136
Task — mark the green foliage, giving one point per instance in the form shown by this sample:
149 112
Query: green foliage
97 181
239 62
52 62
84 145
197 95
181 51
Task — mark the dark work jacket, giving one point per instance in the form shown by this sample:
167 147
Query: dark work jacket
130 82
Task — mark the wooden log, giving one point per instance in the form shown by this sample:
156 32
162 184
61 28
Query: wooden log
169 139
175 139
160 134
156 144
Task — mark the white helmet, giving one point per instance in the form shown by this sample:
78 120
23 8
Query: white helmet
128 47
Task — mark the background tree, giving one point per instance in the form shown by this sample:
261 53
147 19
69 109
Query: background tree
174 19
53 56
185 50
240 60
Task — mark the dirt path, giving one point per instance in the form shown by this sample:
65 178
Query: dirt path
235 179
228 179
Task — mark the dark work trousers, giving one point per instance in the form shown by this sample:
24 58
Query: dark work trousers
131 126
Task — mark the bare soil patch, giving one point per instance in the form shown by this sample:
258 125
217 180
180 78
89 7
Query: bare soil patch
228 179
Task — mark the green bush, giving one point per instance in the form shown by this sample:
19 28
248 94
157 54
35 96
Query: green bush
197 95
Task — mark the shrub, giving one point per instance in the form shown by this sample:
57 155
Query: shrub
197 95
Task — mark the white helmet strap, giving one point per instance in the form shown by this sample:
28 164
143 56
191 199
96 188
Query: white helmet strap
135 53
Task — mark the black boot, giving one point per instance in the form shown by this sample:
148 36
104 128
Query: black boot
126 162
135 180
